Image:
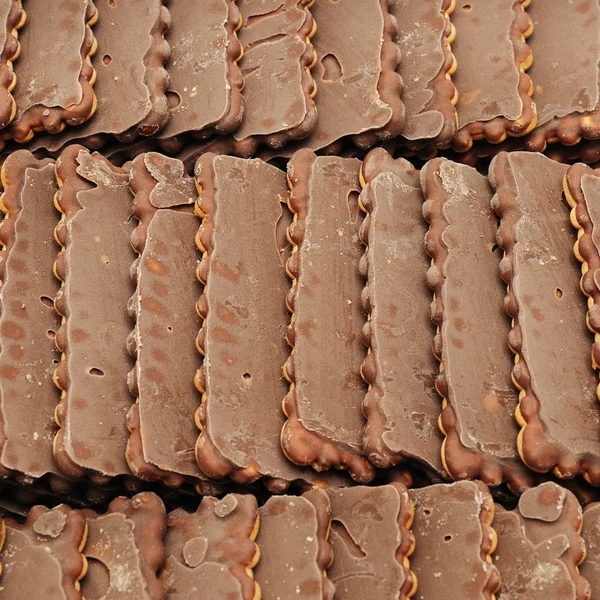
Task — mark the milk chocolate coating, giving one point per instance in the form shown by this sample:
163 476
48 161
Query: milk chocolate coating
28 322
424 37
95 234
212 551
539 546
493 89
401 405
371 541
566 46
12 18
324 426
124 550
243 308
51 98
278 86
294 551
163 434
42 558
590 568
132 81
204 79
581 188
549 333
475 363
454 538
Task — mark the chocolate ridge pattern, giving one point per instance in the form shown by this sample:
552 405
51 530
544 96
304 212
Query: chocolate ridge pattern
70 183
445 94
390 85
541 450
10 52
232 119
489 539
141 184
496 130
585 250
300 445
456 457
54 119
406 516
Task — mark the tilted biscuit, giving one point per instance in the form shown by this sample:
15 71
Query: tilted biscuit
323 406
401 405
93 266
58 91
205 81
125 550
212 552
549 336
454 541
372 541
494 92
539 546
479 400
43 558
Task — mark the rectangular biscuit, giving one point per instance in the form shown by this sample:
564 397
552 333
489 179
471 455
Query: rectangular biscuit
581 186
124 549
426 67
94 232
479 400
401 406
323 407
494 92
454 542
590 568
12 17
294 551
59 93
244 319
211 553
161 422
132 82
28 322
42 558
278 85
205 82
549 336
539 546
566 49
372 541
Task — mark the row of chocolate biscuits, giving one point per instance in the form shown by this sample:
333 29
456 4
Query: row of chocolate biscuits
432 74
442 541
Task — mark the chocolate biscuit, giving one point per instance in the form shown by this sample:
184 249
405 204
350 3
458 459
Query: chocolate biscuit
566 47
494 92
205 82
371 541
427 65
454 541
324 426
94 265
244 319
161 422
581 187
539 546
479 400
212 552
43 558
276 66
28 322
590 568
124 550
13 16
51 98
548 336
401 406
294 551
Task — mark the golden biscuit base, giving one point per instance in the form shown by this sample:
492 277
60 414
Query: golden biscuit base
406 516
54 119
585 249
496 130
